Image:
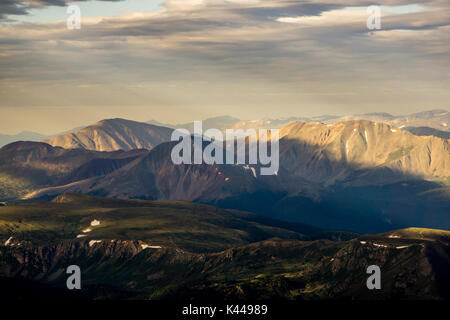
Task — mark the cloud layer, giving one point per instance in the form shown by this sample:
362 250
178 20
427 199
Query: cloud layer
287 57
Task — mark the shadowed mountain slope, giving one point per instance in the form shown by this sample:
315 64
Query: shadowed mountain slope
22 136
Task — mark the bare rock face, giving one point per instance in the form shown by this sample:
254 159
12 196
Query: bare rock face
114 134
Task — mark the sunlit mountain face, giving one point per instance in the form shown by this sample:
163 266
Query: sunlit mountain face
226 150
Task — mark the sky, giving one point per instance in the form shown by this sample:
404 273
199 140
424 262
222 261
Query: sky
182 60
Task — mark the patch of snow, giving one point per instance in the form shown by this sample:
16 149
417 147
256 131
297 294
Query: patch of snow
393 130
401 127
87 230
93 242
444 124
394 236
380 245
81 236
146 246
354 130
95 223
402 247
363 242
332 260
227 179
366 136
7 242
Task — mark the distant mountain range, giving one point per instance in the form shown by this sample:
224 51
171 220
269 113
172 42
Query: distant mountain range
226 122
114 134
25 166
427 131
329 174
29 136
346 151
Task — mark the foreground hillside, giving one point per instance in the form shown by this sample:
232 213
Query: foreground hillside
129 249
